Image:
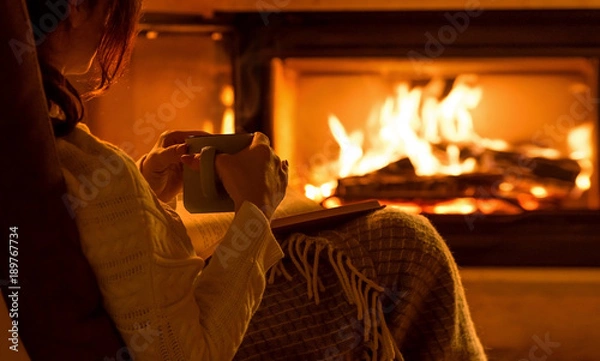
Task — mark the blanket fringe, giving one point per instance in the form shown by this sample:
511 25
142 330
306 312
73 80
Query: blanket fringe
358 288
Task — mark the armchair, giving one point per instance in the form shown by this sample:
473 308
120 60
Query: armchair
60 312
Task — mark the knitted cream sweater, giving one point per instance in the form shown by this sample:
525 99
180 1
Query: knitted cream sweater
166 303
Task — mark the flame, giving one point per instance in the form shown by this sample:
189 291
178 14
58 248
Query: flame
580 145
409 123
407 129
539 192
430 130
408 207
228 121
456 206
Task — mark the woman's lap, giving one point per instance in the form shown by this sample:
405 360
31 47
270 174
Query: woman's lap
421 297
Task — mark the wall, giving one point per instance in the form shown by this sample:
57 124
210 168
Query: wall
173 82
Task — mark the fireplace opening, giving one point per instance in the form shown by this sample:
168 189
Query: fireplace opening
494 138
446 136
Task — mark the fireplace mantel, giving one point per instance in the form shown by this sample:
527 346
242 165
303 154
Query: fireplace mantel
209 7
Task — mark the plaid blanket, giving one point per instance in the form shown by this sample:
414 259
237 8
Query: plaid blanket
380 287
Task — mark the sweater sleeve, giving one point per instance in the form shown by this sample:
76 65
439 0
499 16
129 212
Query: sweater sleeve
230 288
165 301
205 319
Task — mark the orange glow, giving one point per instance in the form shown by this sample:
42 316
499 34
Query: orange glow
228 121
407 129
208 126
407 207
506 187
456 206
151 35
227 97
332 203
437 135
539 192
528 202
320 193
583 181
580 145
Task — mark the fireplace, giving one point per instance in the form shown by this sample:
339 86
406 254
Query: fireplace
484 121
494 136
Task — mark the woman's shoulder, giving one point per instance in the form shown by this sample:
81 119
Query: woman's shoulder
80 146
88 162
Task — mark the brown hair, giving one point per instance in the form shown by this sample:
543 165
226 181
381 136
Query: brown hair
112 55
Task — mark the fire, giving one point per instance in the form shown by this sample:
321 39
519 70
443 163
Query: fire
539 192
580 144
409 125
407 129
420 124
228 122
456 206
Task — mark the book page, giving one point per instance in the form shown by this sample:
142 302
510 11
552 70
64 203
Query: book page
207 229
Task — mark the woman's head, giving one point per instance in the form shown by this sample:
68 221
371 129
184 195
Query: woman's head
70 34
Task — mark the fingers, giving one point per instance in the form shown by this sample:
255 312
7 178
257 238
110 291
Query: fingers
260 138
172 137
160 159
191 160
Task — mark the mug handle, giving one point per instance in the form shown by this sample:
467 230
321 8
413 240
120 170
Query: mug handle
208 183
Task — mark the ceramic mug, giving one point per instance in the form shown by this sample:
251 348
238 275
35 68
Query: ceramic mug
202 190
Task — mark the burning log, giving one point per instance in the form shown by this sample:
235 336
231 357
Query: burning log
402 167
565 170
505 175
390 186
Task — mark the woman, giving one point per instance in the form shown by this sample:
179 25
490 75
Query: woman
380 287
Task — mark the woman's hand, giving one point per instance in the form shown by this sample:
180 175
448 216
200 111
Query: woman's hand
255 174
162 166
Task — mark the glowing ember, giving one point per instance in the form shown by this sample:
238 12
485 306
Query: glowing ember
539 192
407 207
332 202
506 187
456 206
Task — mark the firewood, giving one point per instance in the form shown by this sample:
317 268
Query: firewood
414 187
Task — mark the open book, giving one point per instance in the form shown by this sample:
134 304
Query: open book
295 214
318 219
